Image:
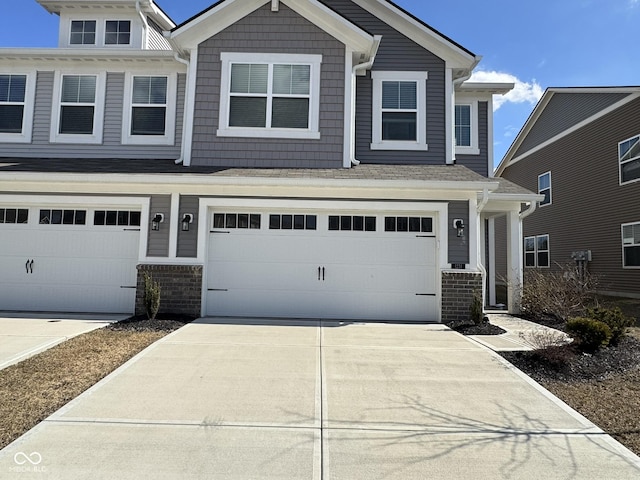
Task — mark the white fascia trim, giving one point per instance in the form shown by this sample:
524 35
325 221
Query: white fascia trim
170 113
189 108
486 88
378 77
174 225
38 55
449 117
227 13
568 131
453 55
98 113
490 139
29 105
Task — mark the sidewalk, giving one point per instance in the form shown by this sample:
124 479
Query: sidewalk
519 336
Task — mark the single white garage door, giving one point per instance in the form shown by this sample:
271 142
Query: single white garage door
322 266
68 260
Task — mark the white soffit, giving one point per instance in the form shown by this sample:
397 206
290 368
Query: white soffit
226 13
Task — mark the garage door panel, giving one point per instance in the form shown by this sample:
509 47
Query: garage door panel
262 274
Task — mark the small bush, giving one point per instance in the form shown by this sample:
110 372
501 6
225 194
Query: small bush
151 296
556 357
475 310
617 321
590 334
543 338
561 292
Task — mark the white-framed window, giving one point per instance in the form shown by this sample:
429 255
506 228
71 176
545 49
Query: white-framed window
536 251
465 125
83 32
78 108
16 106
629 158
399 111
149 111
117 32
270 95
631 245
544 188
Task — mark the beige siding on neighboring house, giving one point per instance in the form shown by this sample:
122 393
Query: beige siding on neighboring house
588 203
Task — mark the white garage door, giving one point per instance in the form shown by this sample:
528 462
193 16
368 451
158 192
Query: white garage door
68 260
322 266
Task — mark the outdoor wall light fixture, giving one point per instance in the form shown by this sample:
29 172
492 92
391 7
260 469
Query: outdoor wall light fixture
458 224
187 219
157 219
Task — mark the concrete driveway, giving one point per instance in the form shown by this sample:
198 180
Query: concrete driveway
228 400
24 335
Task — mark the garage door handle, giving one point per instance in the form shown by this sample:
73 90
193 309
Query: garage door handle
323 274
29 266
319 273
26 265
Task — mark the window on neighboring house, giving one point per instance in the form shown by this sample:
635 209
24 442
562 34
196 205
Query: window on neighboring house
270 95
77 104
536 251
117 32
12 103
78 115
629 158
544 188
463 125
83 32
399 111
631 245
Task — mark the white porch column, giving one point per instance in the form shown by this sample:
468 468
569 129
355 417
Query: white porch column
514 261
491 260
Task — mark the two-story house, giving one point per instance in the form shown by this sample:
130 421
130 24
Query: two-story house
580 149
280 158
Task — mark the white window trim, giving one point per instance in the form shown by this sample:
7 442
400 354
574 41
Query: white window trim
98 112
626 267
474 148
635 159
29 104
117 45
421 121
540 204
136 39
80 45
536 251
313 132
170 120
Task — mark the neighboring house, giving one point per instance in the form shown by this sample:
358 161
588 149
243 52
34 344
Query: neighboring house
265 158
580 149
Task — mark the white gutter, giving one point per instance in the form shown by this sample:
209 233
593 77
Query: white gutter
485 199
356 68
529 211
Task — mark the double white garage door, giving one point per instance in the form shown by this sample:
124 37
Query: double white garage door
322 266
68 260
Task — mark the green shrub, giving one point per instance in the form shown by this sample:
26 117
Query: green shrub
151 297
590 334
476 311
617 321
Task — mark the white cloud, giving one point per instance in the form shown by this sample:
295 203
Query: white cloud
523 92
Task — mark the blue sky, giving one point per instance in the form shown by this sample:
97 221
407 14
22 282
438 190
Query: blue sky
547 43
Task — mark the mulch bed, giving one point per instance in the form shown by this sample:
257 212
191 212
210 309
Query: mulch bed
484 328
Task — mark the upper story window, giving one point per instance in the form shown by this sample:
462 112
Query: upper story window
399 111
78 113
270 95
83 32
149 118
16 107
629 158
463 125
631 245
466 126
117 32
536 251
544 188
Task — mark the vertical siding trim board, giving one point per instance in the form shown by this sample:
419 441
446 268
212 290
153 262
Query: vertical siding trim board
181 288
457 294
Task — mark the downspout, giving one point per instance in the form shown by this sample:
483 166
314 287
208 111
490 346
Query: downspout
145 26
483 271
529 211
356 68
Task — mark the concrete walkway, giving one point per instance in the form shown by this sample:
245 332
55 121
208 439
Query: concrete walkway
24 335
521 335
251 400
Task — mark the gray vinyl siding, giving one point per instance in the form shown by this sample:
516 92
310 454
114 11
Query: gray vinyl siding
458 246
588 205
156 40
188 241
563 112
266 32
111 146
158 241
479 163
397 53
